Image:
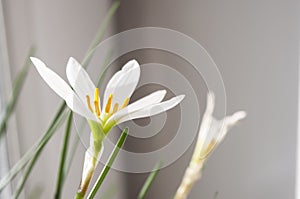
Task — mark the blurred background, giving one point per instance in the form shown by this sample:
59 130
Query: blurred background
255 46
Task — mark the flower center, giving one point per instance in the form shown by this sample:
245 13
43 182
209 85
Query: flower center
96 109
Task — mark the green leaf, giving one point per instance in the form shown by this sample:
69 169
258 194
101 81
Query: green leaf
35 152
149 180
58 120
61 171
109 164
17 87
100 33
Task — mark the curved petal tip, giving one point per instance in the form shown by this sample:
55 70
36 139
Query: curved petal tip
130 64
239 115
37 62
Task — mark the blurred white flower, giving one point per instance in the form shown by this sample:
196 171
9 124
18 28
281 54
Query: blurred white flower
212 133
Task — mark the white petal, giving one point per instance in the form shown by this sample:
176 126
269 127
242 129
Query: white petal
210 104
153 109
61 88
123 83
76 105
207 119
228 122
219 129
52 79
213 131
236 117
79 80
144 102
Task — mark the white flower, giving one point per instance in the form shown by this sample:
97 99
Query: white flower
115 108
212 132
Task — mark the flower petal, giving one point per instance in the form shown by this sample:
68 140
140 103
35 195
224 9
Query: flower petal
58 85
210 103
123 83
79 80
153 109
52 79
212 131
144 102
206 123
228 122
236 117
76 105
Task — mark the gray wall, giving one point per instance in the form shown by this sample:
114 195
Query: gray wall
255 45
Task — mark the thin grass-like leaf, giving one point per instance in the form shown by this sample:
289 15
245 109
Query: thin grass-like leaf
100 34
30 153
44 141
17 87
149 181
109 164
36 152
61 171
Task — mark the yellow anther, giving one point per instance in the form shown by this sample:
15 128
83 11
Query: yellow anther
108 105
125 103
97 109
96 95
97 101
88 101
116 107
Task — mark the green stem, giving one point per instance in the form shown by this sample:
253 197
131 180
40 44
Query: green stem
79 196
61 172
53 127
109 164
84 184
149 181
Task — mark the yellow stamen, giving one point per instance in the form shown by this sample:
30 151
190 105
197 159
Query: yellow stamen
97 109
96 94
108 105
88 101
116 107
125 103
97 101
